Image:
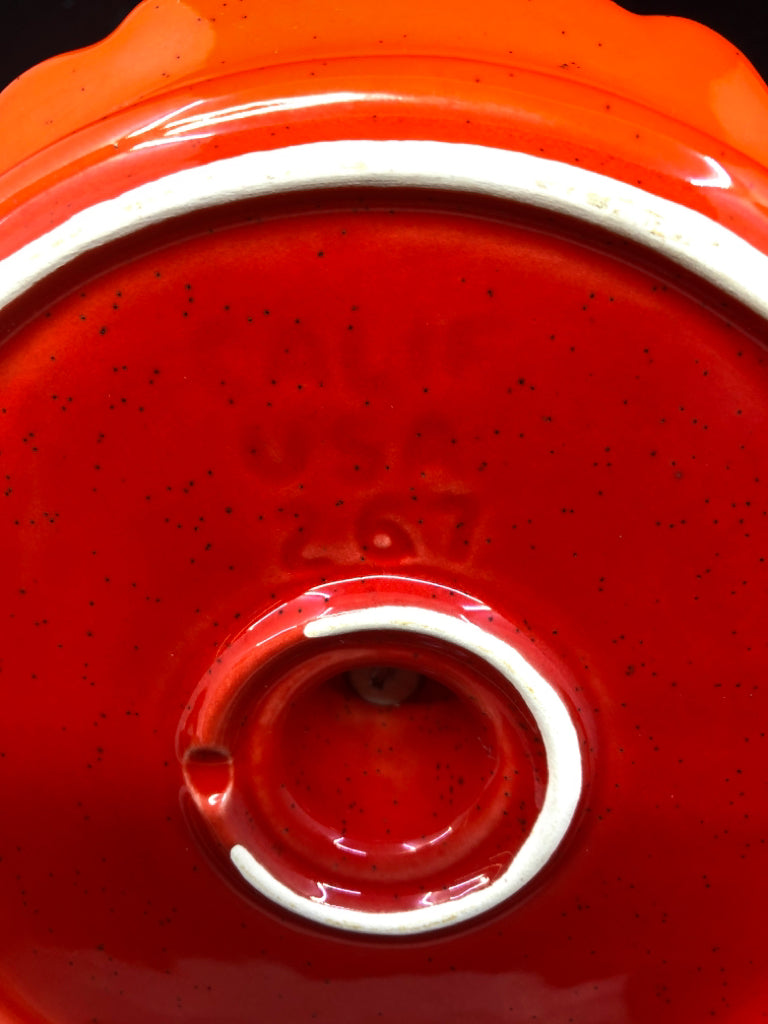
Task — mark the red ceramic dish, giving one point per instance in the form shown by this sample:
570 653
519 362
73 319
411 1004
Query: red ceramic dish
384 526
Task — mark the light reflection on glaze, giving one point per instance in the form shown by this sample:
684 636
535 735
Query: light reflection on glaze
282 829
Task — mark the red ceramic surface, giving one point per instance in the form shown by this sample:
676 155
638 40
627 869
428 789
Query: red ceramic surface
384 521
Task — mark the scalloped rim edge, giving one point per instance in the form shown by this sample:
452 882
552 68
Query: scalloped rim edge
637 45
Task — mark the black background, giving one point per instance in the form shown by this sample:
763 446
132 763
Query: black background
31 30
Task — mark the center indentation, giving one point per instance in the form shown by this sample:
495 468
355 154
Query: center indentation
400 773
379 765
387 773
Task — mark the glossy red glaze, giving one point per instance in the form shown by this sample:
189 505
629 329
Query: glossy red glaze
418 793
207 419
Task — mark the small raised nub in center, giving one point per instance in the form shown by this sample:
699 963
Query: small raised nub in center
384 684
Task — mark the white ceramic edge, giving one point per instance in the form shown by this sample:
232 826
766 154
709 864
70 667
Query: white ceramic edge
564 783
685 236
